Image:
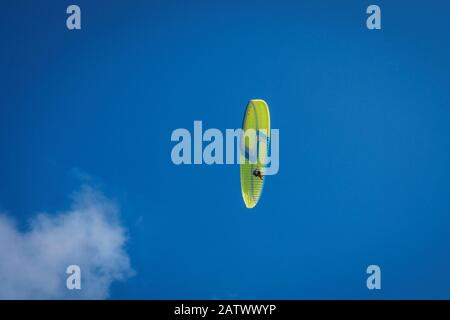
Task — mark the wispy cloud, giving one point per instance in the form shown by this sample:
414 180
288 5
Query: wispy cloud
33 263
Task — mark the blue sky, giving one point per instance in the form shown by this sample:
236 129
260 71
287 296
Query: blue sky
364 140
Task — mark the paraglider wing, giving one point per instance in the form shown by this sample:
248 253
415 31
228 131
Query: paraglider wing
254 152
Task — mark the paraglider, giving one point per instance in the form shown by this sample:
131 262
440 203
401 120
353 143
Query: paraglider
254 152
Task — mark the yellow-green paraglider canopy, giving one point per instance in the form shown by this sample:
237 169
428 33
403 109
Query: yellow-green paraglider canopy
254 152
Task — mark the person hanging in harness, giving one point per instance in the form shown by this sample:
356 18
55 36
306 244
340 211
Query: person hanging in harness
257 173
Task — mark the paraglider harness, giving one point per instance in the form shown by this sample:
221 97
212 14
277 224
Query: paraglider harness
257 173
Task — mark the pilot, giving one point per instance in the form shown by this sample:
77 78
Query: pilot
257 173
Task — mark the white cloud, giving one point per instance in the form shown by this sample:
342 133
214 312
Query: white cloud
33 262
